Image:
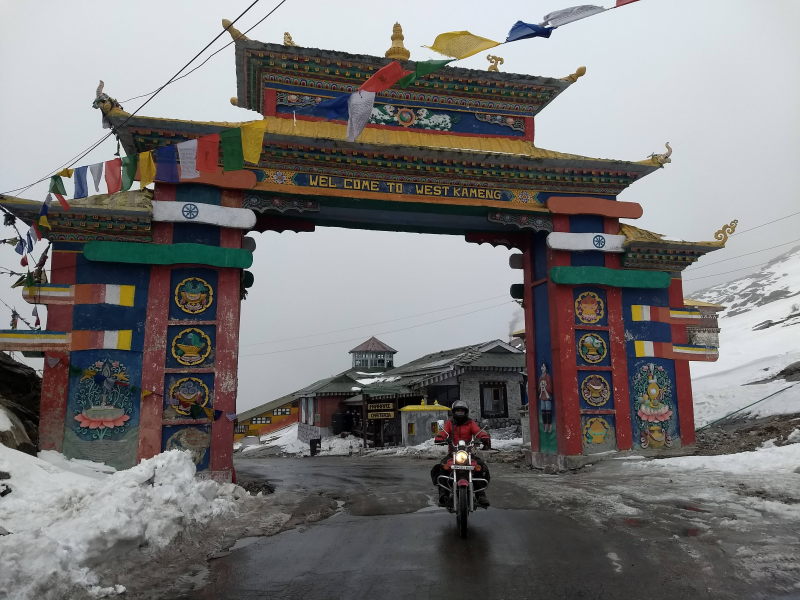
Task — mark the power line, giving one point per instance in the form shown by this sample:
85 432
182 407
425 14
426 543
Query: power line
300 337
78 157
768 223
746 254
727 272
379 333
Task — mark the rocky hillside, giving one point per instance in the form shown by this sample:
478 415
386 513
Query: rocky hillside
20 387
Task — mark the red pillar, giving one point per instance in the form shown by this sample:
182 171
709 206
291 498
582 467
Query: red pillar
530 340
562 335
619 357
55 378
683 378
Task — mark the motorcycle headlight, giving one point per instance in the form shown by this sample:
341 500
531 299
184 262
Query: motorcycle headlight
462 457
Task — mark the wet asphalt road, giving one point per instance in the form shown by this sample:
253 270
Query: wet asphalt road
390 542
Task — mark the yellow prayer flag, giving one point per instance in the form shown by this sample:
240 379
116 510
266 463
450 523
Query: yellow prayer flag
65 172
253 140
461 44
147 169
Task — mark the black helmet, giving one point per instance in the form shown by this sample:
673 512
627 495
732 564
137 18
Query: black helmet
460 412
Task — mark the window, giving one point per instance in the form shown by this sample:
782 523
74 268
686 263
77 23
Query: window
435 427
261 420
494 403
282 411
241 429
412 429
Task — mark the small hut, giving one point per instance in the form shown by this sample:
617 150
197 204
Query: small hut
420 421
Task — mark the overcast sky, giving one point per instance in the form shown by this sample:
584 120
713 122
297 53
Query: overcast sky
718 79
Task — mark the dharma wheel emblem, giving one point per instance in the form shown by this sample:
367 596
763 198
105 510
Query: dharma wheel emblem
599 241
190 211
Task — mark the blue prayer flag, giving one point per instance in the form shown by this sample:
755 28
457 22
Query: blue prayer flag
81 188
333 108
167 164
29 240
522 31
20 247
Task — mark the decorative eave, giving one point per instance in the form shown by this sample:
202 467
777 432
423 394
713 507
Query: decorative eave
331 73
124 216
649 250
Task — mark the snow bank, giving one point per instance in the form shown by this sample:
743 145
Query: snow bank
767 460
66 517
5 420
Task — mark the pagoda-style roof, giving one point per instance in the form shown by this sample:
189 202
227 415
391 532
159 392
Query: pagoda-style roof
373 344
649 250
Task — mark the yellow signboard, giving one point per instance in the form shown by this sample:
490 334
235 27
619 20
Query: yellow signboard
381 406
389 414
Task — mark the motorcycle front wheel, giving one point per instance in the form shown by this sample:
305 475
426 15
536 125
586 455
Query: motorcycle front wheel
462 510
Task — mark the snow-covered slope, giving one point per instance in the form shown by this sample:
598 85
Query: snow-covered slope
760 336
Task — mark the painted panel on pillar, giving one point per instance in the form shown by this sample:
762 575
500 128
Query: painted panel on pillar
192 438
194 294
102 420
548 442
596 390
654 404
190 346
202 194
186 394
593 348
590 306
599 433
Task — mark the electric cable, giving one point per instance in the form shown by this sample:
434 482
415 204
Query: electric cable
379 333
76 158
741 255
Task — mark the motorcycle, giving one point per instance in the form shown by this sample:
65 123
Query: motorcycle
462 481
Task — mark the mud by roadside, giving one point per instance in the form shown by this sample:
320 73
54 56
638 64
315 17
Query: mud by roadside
744 435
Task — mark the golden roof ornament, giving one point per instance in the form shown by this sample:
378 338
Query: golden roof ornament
579 72
235 33
722 235
398 51
287 39
662 159
494 61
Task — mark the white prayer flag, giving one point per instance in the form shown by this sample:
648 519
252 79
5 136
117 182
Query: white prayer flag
97 174
569 15
360 108
187 152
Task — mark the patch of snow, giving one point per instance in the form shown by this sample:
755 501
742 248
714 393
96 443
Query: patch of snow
64 517
770 460
794 437
5 421
88 468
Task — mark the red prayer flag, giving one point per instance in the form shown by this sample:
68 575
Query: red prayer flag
114 175
384 78
208 153
62 201
624 2
23 261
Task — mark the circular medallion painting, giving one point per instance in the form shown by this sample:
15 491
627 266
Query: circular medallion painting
188 391
191 346
592 348
589 307
194 295
595 390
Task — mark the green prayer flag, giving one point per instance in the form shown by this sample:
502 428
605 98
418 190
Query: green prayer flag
57 186
129 164
426 67
232 157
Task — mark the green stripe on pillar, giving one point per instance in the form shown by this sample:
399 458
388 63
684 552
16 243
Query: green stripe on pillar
623 278
167 254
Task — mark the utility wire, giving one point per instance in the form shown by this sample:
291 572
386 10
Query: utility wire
379 333
768 223
78 157
727 272
741 255
300 337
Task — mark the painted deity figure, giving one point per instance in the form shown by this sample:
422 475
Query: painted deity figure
546 399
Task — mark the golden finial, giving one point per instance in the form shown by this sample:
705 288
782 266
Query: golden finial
287 39
398 50
722 235
494 60
235 33
579 72
662 159
235 101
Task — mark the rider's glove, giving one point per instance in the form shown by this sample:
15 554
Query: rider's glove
487 444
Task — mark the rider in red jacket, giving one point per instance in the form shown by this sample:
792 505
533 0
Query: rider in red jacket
461 427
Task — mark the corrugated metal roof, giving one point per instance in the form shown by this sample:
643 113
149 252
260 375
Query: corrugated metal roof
269 406
373 344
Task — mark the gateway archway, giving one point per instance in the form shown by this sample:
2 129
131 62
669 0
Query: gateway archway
146 286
